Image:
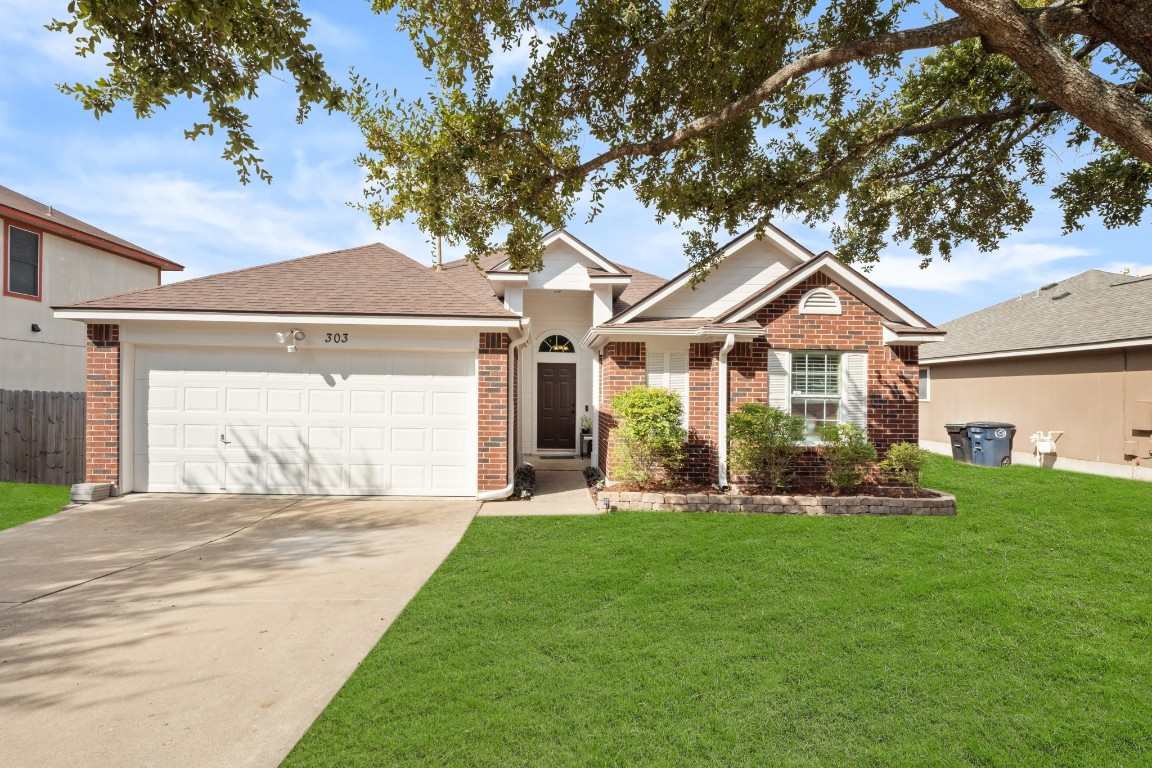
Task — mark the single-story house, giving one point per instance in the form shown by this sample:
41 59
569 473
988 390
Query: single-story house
363 372
1072 358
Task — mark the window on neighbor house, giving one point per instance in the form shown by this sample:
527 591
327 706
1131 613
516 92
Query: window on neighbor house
925 384
557 343
23 266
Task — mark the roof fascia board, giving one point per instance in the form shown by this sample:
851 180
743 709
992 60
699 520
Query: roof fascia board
507 277
607 334
789 245
102 316
68 233
1067 349
891 338
863 289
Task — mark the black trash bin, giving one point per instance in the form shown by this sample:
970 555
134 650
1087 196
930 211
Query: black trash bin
961 445
991 443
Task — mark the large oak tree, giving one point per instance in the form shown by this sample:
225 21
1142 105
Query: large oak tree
923 123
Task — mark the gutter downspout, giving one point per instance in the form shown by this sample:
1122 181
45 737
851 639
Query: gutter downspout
722 410
505 492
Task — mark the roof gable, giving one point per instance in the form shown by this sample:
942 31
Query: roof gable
886 305
747 264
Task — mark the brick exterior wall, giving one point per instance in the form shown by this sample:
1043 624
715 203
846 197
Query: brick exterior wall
102 410
893 408
700 465
492 425
623 364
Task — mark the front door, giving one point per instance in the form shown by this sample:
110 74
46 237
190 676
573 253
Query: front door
556 406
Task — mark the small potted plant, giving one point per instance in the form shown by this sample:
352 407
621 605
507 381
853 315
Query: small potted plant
585 425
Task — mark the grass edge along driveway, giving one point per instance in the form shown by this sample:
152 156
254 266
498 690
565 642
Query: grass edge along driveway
24 502
1017 633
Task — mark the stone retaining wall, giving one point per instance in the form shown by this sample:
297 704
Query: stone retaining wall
942 504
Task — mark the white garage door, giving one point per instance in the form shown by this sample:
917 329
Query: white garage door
317 422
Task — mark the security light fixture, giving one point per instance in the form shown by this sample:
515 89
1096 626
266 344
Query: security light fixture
290 338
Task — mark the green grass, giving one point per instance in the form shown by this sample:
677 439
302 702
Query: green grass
1018 633
23 502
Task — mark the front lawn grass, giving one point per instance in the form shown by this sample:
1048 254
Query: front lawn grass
1015 634
23 502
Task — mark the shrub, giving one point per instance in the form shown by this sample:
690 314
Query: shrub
903 464
764 443
846 453
648 438
525 481
593 476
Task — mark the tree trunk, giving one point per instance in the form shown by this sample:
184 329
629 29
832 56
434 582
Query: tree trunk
1128 25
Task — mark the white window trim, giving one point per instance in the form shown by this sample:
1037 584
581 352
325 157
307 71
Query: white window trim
924 385
780 364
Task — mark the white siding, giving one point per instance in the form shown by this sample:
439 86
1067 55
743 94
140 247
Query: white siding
564 269
53 359
733 281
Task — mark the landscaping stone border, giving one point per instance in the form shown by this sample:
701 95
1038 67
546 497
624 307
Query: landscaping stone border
941 504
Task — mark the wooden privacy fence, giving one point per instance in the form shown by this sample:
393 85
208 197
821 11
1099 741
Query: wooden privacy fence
42 437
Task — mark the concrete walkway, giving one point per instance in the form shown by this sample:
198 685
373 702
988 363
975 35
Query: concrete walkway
160 630
558 492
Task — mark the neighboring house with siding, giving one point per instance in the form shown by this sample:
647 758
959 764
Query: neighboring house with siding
51 258
363 372
1073 356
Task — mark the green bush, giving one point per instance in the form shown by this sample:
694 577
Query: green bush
764 443
649 439
903 464
846 453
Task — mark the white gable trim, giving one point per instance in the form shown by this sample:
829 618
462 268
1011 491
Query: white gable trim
787 244
574 244
847 278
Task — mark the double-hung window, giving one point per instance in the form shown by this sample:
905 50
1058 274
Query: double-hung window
816 389
22 270
823 386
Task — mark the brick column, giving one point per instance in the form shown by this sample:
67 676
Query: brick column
893 396
703 414
102 406
492 428
623 364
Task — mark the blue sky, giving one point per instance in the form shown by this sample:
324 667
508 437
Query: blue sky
141 180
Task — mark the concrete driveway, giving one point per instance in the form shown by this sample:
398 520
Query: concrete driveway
199 630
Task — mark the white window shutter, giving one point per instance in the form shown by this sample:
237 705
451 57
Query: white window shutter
678 379
780 380
657 371
854 389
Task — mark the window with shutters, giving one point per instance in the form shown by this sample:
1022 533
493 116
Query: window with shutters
669 370
816 389
22 263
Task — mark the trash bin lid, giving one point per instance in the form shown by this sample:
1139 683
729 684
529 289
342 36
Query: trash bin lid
991 424
955 427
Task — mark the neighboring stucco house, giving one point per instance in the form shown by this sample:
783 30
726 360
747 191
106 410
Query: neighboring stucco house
1072 357
363 372
51 258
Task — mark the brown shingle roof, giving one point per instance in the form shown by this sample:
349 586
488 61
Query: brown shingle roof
1093 307
58 222
369 280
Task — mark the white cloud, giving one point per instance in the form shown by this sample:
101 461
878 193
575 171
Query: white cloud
515 60
1015 265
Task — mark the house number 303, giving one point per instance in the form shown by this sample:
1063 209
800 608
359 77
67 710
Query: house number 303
335 338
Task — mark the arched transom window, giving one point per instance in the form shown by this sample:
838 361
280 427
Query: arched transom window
557 343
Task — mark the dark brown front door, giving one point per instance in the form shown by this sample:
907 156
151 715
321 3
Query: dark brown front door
556 406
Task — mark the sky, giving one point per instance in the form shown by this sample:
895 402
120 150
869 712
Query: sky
142 181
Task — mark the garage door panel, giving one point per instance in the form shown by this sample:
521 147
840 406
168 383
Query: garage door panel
356 423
